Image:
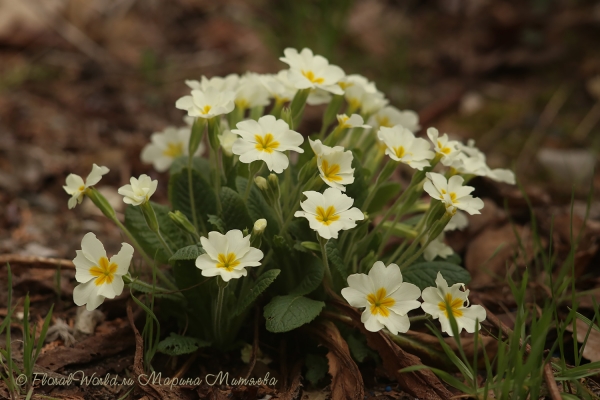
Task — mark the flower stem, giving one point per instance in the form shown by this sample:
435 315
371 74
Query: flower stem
164 243
145 256
219 308
328 279
385 173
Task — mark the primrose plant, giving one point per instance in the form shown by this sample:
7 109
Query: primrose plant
263 215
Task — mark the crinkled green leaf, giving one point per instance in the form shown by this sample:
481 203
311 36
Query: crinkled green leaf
358 348
258 207
235 214
423 274
285 313
136 224
187 253
261 284
199 164
176 345
217 222
335 259
385 192
145 289
317 367
311 274
204 195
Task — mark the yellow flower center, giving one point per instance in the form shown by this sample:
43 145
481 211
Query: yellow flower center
445 150
330 172
451 305
242 103
384 121
104 271
81 188
354 104
380 303
400 152
452 196
173 150
326 217
228 261
266 143
342 121
205 110
311 77
345 85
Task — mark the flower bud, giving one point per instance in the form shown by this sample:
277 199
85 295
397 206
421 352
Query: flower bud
257 231
150 216
213 133
182 222
100 202
261 183
286 115
274 185
196 136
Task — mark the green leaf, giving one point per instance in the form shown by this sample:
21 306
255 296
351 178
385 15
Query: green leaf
285 313
199 164
258 207
384 194
261 284
335 259
358 349
176 345
312 274
187 253
136 224
204 195
359 189
311 246
235 214
217 222
317 367
144 289
423 274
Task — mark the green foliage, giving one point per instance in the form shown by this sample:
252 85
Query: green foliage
217 223
205 199
235 214
177 345
358 348
258 207
187 253
311 275
285 313
423 274
136 224
386 192
316 368
260 285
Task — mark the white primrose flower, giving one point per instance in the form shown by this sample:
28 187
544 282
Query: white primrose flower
437 248
459 221
358 80
402 145
251 92
76 186
452 193
317 97
443 146
279 86
329 212
442 301
353 121
266 139
472 161
230 82
98 276
385 297
227 139
139 190
335 165
390 116
227 255
359 98
166 146
309 71
207 103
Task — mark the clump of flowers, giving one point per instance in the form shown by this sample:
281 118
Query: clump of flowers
263 212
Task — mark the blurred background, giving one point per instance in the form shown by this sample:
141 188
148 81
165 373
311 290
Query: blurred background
88 81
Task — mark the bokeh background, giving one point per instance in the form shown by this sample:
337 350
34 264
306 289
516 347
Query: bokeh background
88 81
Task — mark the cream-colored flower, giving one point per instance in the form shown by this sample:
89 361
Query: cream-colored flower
227 139
335 165
353 121
402 145
452 193
207 103
443 146
230 82
98 276
309 71
227 255
443 301
76 186
266 139
385 297
251 92
166 146
329 212
279 86
358 80
139 190
390 116
437 248
472 161
317 97
359 98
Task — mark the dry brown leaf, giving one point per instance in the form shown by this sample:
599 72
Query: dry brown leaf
492 252
346 380
421 384
591 351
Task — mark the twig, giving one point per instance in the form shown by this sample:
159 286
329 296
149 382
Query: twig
551 383
42 262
